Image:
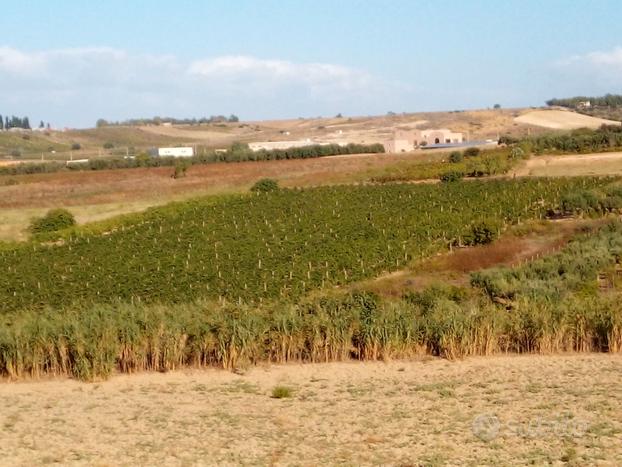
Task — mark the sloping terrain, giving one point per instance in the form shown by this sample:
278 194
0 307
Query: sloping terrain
117 140
608 163
562 120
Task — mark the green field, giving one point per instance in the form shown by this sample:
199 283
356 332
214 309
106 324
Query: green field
275 245
235 280
550 305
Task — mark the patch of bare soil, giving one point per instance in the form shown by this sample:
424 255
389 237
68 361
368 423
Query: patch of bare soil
506 410
524 243
110 186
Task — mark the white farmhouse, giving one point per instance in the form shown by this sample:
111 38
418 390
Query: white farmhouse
176 152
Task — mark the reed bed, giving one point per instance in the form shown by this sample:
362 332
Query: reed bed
95 342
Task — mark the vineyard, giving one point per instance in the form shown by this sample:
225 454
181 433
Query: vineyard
277 245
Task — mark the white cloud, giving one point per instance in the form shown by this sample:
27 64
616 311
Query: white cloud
593 73
79 85
278 72
17 62
594 60
611 58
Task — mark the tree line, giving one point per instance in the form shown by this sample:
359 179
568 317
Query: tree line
582 140
608 100
173 121
7 122
238 152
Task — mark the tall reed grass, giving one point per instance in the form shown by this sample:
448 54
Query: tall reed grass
92 343
553 304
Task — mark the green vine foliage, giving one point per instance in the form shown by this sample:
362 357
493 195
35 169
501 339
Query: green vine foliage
276 245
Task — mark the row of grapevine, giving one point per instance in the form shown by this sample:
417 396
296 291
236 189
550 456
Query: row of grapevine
248 248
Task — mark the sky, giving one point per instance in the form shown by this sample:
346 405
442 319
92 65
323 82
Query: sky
71 62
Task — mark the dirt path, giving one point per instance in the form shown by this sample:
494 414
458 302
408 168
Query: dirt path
507 410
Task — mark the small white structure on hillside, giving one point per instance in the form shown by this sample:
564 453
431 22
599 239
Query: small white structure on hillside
408 140
270 145
176 152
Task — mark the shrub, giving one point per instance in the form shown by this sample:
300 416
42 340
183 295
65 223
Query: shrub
455 157
108 145
282 392
471 152
611 203
451 176
181 167
56 219
16 153
265 185
580 202
482 233
516 153
76 147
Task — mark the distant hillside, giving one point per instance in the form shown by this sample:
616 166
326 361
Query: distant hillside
608 106
110 140
170 120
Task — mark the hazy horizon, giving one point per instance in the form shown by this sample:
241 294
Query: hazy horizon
71 62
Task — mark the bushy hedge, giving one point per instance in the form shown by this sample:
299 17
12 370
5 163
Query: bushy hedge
54 220
592 202
237 153
583 140
554 277
608 100
452 176
455 157
482 233
265 185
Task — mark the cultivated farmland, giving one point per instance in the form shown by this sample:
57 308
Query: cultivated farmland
275 245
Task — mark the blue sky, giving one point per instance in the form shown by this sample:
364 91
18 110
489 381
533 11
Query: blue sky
71 62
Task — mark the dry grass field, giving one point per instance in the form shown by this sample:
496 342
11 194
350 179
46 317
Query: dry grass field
100 194
475 124
609 163
506 410
561 120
